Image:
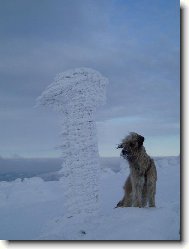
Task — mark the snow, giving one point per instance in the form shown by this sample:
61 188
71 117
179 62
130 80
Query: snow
84 85
33 209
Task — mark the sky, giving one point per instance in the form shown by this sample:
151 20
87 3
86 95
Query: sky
135 44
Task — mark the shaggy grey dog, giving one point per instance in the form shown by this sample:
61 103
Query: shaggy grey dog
140 186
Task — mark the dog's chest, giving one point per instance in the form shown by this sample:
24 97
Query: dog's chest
136 169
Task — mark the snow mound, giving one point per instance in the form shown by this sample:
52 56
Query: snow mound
34 209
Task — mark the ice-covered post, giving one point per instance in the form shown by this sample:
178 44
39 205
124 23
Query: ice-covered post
76 94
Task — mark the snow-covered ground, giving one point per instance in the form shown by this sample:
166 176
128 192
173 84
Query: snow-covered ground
33 209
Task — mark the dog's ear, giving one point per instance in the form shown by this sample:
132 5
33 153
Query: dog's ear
140 140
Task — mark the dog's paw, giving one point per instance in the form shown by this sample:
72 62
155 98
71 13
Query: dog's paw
119 204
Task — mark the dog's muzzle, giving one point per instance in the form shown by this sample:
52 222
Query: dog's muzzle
124 152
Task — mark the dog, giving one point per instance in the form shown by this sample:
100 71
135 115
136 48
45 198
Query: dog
140 186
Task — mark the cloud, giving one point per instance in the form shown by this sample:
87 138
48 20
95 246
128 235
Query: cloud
157 135
135 45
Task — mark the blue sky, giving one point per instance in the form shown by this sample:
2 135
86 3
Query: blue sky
133 43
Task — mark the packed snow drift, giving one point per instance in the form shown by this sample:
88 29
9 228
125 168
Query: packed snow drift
32 209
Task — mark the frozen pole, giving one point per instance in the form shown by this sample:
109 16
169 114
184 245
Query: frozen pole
76 94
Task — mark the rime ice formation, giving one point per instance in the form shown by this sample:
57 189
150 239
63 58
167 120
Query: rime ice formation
76 94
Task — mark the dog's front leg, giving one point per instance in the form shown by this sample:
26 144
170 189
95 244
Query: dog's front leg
127 199
138 183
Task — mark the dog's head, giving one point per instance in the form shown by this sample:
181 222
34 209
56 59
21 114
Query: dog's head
131 144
